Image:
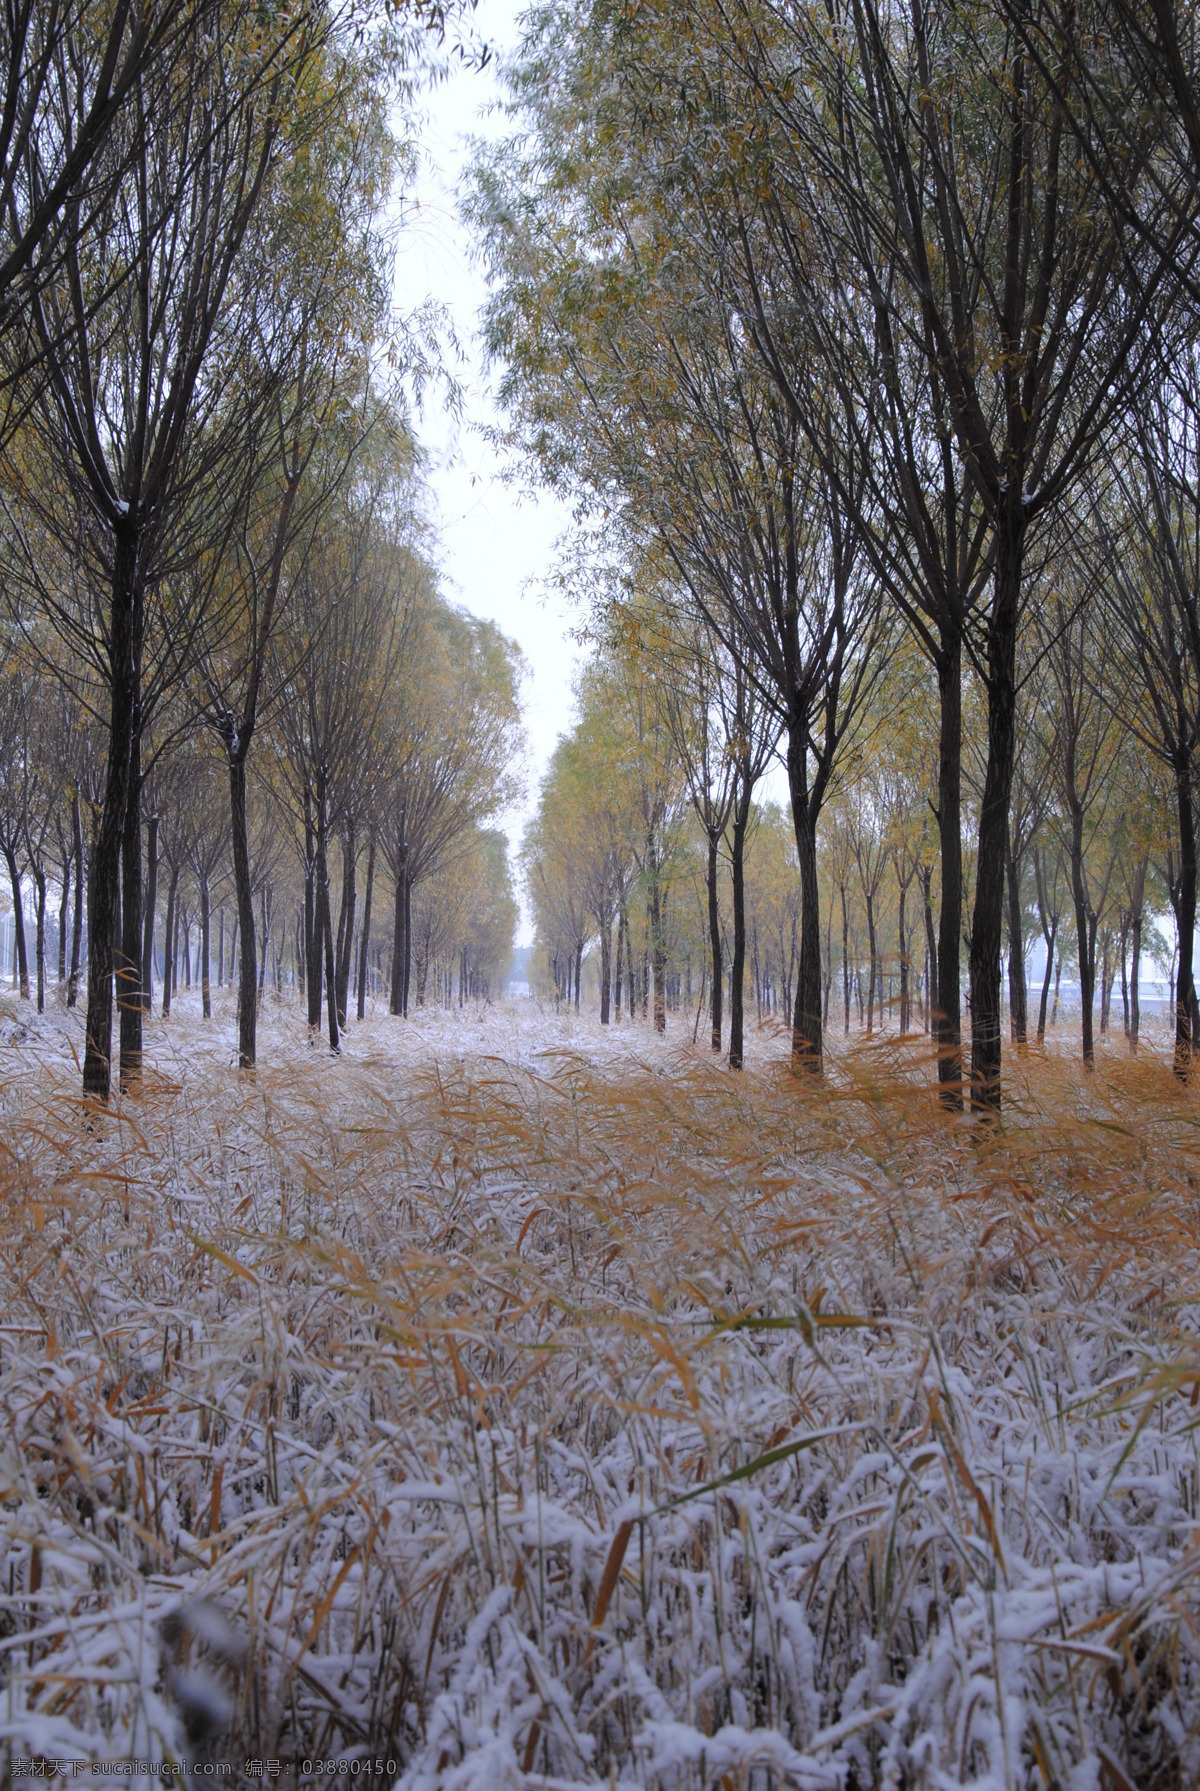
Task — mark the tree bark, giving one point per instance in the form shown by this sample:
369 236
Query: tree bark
150 906
947 1012
63 909
714 940
20 949
1184 903
400 937
39 879
986 924
346 924
247 1003
605 971
364 962
169 930
408 952
807 1041
1085 932
738 969
1017 1000
77 920
105 865
129 972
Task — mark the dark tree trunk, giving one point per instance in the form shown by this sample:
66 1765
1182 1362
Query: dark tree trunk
77 923
408 952
714 940
20 950
619 966
578 972
364 962
346 924
1184 903
205 948
986 924
124 633
1085 932
932 992
324 939
39 880
312 920
1135 971
1016 952
947 1011
605 971
1051 938
902 937
169 930
399 943
845 963
738 976
807 1041
151 905
247 1005
129 971
63 909
873 977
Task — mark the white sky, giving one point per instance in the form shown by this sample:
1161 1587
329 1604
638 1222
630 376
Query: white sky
496 540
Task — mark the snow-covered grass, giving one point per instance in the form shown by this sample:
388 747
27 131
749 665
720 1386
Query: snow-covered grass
534 1407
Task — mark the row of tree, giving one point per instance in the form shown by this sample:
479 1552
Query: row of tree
659 874
861 332
208 489
389 746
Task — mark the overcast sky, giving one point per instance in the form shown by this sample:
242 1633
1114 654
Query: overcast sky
497 541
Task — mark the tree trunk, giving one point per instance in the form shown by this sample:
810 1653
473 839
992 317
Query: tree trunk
399 936
1017 999
947 1010
247 1003
1184 903
738 975
20 950
986 923
169 930
63 908
129 998
714 940
364 962
622 935
151 905
1085 932
105 864
807 1041
605 970
578 972
902 938
845 963
205 948
346 923
324 919
408 952
872 965
1050 939
39 880
77 920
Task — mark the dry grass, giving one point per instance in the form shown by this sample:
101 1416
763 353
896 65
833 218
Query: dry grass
578 1420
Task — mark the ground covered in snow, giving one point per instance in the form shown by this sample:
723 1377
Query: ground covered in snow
528 1406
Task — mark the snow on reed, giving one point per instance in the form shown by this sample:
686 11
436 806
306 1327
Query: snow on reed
588 1418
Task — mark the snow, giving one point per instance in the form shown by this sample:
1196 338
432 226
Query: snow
410 1405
